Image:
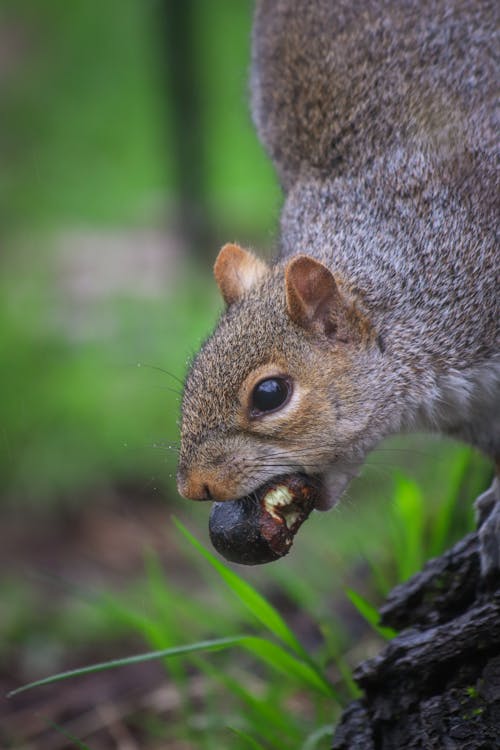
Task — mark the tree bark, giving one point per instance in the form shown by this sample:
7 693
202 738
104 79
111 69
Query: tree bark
436 685
177 21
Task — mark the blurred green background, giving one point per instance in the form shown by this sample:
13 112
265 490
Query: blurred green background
115 193
127 159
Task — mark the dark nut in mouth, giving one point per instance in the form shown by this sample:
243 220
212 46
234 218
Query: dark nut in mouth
260 528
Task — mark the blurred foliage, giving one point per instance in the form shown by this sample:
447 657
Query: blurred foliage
86 140
79 413
81 115
86 115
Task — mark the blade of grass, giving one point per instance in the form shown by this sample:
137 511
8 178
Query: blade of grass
258 606
441 525
251 742
369 613
409 512
252 600
167 629
259 709
335 653
64 732
316 736
380 578
275 656
213 645
270 653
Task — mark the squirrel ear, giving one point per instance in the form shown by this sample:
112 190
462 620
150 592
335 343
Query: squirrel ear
236 271
312 296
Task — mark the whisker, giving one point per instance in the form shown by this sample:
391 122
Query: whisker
287 453
161 369
297 451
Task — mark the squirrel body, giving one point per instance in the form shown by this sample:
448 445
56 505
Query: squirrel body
381 312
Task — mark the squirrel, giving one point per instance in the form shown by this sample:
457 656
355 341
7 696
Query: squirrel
380 314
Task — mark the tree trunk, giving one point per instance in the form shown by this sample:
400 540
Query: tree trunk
436 685
177 20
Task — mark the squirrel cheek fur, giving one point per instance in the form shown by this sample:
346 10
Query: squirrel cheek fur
295 322
383 305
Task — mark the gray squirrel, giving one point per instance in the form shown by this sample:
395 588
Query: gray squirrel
380 314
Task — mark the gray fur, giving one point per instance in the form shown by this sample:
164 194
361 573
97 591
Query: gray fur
381 119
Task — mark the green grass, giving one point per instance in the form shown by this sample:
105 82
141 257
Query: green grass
253 664
269 643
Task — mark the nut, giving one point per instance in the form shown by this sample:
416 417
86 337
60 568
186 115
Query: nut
260 528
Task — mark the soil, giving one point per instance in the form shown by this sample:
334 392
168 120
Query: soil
99 547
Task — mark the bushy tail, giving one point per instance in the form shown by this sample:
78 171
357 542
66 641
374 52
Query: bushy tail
335 84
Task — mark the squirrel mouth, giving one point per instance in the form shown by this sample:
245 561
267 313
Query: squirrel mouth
260 528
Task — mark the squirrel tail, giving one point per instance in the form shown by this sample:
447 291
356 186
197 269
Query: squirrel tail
335 83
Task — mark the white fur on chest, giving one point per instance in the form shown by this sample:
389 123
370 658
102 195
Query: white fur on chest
466 404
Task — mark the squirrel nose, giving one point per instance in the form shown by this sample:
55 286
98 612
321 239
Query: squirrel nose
193 487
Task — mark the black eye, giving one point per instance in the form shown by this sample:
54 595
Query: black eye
271 394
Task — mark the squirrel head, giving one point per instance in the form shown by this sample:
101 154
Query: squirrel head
282 383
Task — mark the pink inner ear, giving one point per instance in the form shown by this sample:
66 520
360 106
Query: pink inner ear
311 291
315 287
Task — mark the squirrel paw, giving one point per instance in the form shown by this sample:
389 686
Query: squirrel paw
487 508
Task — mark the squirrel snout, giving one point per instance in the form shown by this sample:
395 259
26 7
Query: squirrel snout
192 486
205 483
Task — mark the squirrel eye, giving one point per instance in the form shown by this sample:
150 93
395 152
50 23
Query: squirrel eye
270 395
